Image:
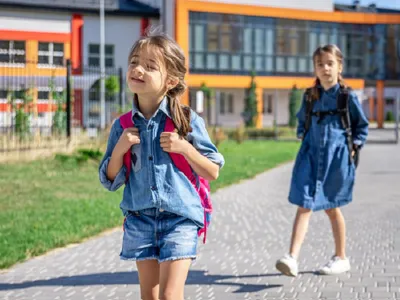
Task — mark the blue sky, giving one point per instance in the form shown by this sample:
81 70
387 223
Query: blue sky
380 3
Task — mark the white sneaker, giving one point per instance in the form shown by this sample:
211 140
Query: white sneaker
335 266
287 265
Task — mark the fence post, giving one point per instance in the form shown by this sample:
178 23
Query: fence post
121 89
68 95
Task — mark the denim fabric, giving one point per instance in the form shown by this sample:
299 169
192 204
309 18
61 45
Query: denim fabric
323 175
161 235
154 181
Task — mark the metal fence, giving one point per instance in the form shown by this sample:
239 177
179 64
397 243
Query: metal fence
54 102
277 114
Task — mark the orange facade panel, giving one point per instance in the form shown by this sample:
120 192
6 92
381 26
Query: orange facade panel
36 36
265 82
286 13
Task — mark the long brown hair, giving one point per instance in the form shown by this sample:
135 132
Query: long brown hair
335 51
174 60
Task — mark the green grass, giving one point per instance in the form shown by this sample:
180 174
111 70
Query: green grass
54 202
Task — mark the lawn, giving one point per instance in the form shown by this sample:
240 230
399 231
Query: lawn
54 202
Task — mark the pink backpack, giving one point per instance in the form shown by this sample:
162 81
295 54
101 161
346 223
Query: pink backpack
200 184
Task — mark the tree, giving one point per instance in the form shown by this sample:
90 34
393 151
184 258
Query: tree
22 110
295 98
250 109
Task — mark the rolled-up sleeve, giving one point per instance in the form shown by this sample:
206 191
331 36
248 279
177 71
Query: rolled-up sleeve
201 140
119 180
359 122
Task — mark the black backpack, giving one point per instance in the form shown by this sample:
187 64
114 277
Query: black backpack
342 110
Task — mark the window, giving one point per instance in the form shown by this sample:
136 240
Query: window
230 104
3 94
94 55
12 52
212 36
267 104
51 54
43 95
222 103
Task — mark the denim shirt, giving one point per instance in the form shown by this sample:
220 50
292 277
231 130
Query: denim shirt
154 181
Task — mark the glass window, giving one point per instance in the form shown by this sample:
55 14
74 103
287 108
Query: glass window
236 62
222 103
199 38
12 52
211 61
230 104
248 40
51 54
94 55
267 103
224 62
212 37
269 41
259 41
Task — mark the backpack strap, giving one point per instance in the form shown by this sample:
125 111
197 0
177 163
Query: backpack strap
127 122
179 160
309 104
344 112
182 164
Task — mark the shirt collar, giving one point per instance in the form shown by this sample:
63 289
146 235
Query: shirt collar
164 107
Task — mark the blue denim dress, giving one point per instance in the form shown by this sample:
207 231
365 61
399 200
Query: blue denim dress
323 175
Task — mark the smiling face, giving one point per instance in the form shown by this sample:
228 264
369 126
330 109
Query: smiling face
146 71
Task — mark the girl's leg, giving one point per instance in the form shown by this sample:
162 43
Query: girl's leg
149 271
288 265
300 228
338 263
339 231
173 276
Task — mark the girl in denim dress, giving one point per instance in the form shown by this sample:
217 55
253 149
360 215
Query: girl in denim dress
162 209
323 174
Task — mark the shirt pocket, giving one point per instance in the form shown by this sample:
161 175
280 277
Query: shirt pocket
136 161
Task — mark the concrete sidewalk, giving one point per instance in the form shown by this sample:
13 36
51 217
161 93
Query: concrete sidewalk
251 229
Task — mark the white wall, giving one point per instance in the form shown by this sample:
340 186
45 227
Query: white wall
120 31
37 21
235 119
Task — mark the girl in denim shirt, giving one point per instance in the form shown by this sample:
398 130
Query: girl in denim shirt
162 209
323 174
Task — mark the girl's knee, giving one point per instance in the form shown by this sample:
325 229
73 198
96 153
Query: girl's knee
302 210
169 295
332 212
149 296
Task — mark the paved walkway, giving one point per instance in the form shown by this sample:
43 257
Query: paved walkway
251 229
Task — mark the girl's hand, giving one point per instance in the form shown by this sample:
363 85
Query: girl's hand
128 138
172 142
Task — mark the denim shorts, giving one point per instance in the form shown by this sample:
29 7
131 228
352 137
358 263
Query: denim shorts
158 234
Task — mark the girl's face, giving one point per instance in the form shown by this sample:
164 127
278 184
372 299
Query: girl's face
327 69
146 73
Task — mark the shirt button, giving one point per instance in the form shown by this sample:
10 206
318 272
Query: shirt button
150 126
150 157
153 188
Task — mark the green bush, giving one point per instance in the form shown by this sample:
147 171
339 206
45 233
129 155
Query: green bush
389 116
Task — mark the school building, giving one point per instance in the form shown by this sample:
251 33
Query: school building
225 40
37 37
